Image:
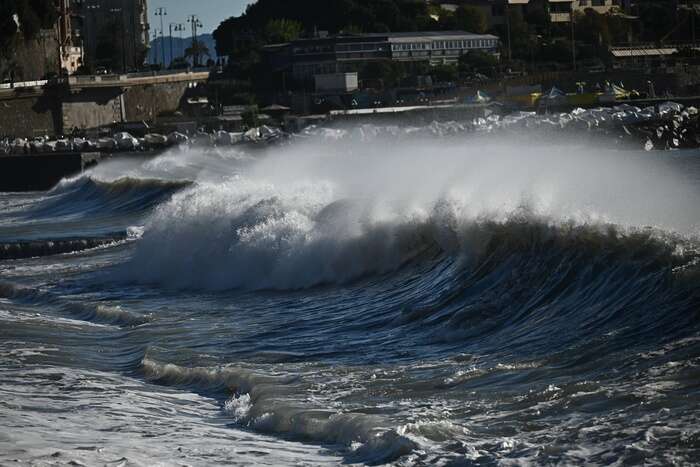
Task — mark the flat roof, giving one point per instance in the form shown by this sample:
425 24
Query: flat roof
399 36
643 51
437 35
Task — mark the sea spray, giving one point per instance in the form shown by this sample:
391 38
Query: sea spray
315 213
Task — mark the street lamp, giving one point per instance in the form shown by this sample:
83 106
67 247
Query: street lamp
195 23
177 27
162 12
155 51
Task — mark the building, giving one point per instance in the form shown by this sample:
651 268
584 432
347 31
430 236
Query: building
113 33
70 52
305 58
648 57
560 10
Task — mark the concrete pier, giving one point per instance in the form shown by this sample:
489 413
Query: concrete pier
38 172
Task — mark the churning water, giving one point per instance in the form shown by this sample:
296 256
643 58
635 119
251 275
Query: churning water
367 295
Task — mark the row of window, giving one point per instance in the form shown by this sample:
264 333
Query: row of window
365 47
426 53
446 45
400 47
314 49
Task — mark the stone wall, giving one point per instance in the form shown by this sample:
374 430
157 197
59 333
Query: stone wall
91 109
149 101
29 116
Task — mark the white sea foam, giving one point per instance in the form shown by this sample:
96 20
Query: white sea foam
316 212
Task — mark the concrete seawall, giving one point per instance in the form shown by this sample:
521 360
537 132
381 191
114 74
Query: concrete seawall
41 171
90 102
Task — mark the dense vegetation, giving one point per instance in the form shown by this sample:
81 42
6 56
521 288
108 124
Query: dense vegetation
269 21
33 15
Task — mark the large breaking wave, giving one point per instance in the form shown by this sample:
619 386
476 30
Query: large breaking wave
335 210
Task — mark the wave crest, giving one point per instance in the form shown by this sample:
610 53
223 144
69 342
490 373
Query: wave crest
307 215
99 313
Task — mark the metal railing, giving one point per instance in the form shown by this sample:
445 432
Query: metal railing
96 79
24 84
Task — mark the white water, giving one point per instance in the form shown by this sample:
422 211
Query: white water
331 210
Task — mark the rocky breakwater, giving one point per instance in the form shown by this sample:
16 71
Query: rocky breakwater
665 126
124 142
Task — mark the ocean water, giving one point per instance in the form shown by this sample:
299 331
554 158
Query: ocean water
367 295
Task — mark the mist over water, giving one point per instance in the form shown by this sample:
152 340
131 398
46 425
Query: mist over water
365 294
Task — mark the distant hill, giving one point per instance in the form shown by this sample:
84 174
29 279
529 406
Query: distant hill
179 45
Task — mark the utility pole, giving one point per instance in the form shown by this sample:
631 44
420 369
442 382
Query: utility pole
195 23
160 11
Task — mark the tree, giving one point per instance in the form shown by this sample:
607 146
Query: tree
477 60
657 20
558 51
538 16
521 41
471 19
196 50
282 30
250 118
390 73
445 73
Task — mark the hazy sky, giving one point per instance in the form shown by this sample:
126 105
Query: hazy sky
210 12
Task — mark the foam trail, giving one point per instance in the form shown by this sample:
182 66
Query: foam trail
267 404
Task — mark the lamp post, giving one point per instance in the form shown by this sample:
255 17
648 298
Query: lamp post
177 27
195 23
160 11
155 51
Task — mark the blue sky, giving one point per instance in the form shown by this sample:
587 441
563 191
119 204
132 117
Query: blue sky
210 12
